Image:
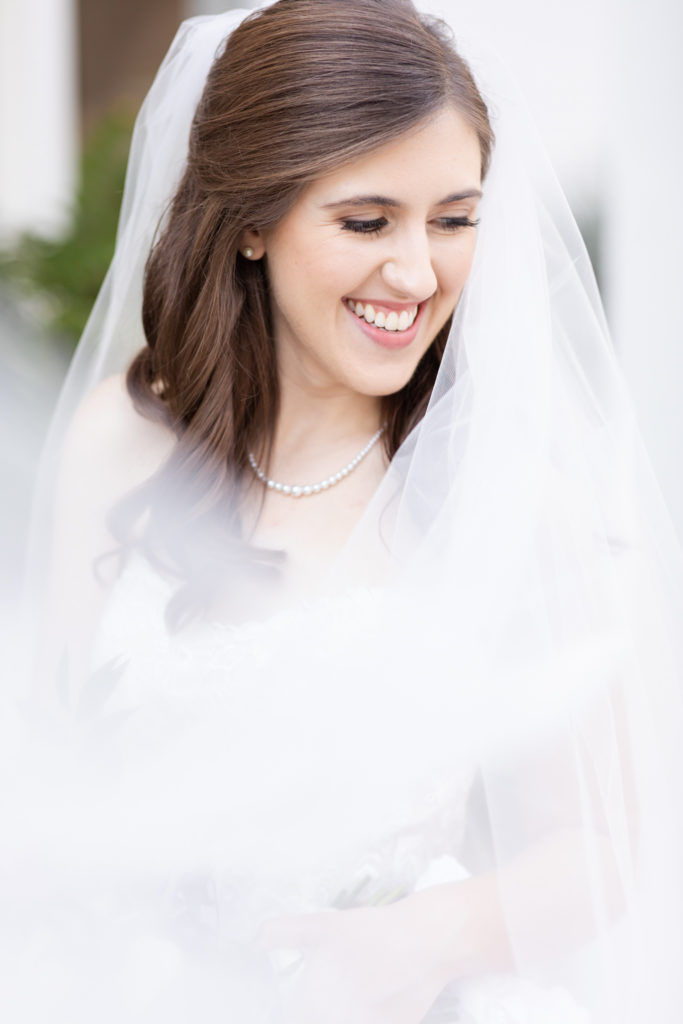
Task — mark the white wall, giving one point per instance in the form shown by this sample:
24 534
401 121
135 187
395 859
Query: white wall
38 115
193 7
644 244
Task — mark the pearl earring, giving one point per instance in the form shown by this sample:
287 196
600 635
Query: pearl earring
248 253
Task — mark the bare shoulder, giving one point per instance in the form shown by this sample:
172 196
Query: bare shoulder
109 449
112 443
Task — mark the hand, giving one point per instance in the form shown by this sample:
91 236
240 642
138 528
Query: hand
378 965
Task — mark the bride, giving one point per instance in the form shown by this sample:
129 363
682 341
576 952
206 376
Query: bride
356 585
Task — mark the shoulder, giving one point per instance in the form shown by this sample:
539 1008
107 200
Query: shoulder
108 450
111 444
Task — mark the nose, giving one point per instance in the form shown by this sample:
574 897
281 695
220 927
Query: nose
408 269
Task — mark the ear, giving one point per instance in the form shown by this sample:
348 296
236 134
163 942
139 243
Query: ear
252 245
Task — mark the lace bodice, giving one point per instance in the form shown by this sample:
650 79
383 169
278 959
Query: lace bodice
276 715
300 762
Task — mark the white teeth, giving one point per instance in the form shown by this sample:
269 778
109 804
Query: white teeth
391 321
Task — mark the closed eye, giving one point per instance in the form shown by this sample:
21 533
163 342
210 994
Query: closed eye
375 226
453 223
365 227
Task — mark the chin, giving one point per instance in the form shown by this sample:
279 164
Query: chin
379 385
382 390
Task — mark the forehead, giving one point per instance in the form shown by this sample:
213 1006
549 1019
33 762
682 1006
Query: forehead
439 157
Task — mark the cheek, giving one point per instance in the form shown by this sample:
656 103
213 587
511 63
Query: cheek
455 269
308 274
289 259
335 271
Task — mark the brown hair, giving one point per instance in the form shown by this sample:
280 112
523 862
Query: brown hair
300 88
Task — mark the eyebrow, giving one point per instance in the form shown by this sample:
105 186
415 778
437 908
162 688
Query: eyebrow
360 201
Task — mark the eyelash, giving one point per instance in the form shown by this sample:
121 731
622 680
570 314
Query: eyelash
374 227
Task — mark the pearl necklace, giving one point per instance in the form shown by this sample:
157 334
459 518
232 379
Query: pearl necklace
303 491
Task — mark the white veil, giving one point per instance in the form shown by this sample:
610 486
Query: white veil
523 589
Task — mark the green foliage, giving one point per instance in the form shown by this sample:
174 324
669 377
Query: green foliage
67 274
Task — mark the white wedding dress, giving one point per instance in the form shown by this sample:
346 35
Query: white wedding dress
245 771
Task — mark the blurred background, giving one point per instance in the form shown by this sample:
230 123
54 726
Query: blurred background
603 78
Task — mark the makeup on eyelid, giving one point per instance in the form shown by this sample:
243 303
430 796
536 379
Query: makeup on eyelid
374 227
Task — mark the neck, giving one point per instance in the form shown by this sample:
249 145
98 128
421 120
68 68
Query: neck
313 419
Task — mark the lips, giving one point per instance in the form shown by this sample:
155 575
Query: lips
398 324
391 320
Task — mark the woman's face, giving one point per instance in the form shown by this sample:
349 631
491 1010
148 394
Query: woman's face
371 260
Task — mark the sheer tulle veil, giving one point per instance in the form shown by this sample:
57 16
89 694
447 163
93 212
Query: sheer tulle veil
525 581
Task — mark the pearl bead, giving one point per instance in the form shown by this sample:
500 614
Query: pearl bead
305 490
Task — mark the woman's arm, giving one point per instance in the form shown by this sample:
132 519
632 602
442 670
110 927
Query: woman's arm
550 884
109 450
391 963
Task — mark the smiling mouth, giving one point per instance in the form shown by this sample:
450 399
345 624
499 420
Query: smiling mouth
392 322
